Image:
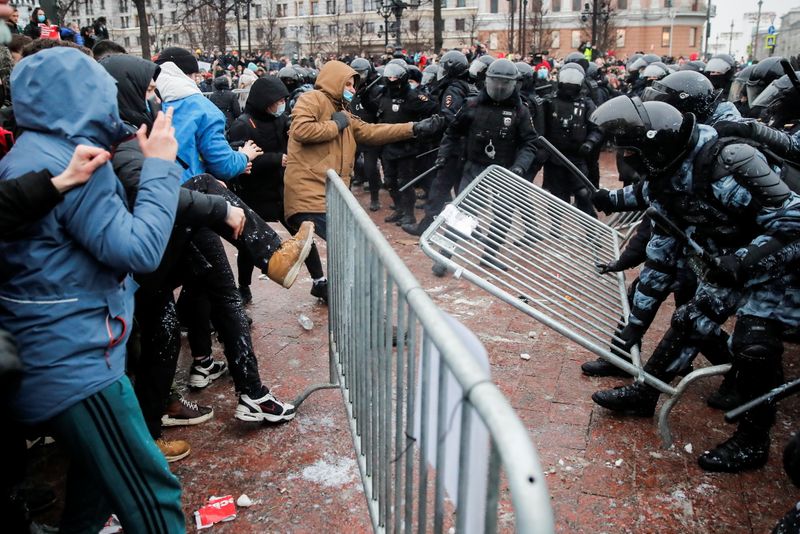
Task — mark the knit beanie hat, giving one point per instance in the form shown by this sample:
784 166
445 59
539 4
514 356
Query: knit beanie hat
181 57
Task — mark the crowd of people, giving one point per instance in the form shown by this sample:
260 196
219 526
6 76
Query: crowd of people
130 198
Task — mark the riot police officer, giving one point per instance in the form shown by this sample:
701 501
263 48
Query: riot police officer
720 70
690 91
365 107
398 103
451 92
477 72
292 78
568 128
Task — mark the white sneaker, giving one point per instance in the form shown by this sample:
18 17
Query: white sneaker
200 376
267 408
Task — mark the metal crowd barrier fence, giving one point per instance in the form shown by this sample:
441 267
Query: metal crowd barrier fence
393 353
625 223
538 254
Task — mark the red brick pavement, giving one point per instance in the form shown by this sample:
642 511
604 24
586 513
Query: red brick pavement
605 473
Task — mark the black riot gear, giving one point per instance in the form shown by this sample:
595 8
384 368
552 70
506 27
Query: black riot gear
364 69
453 65
414 74
290 78
396 77
526 79
579 58
642 62
501 80
655 71
398 61
777 104
477 69
695 66
658 132
687 91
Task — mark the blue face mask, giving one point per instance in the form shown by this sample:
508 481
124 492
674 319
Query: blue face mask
41 18
280 110
413 85
542 74
347 95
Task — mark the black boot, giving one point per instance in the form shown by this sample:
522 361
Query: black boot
726 397
394 217
407 200
247 296
600 367
748 448
374 202
418 229
634 399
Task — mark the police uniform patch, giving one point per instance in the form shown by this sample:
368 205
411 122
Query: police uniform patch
395 107
507 121
448 101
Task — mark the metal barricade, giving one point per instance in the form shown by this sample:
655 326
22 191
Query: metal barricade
625 223
538 254
384 334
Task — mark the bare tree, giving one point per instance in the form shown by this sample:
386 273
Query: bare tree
271 39
313 34
205 21
473 24
359 35
538 32
417 31
63 7
606 35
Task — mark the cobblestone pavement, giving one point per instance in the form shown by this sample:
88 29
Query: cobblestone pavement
605 473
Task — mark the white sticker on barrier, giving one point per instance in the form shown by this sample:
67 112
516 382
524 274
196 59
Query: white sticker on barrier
458 220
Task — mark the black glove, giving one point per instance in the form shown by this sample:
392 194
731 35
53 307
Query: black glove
586 149
440 163
734 129
517 170
429 127
602 201
631 335
726 272
791 459
611 267
341 119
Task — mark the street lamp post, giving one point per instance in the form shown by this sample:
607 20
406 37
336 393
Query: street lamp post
238 28
249 44
595 11
730 40
522 35
385 11
395 8
755 36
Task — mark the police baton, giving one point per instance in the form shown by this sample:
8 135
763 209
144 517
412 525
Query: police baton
672 229
779 393
567 163
790 73
431 151
418 178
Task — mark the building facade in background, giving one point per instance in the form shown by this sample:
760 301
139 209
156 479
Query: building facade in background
306 27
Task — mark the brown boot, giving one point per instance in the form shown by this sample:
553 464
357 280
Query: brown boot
287 260
173 450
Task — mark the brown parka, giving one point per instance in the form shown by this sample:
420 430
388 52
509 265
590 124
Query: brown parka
316 144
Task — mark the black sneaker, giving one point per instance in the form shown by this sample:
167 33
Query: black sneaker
743 451
600 367
634 399
319 289
203 373
247 296
267 408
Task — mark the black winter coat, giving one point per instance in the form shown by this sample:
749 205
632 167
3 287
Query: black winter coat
262 189
25 200
226 101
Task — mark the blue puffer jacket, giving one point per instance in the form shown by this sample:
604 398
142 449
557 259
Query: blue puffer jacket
199 128
64 289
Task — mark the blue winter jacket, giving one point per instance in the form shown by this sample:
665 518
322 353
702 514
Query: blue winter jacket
65 292
199 128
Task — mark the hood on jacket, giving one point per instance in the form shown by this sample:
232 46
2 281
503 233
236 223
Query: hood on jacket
247 78
333 77
45 100
173 84
133 75
263 93
222 83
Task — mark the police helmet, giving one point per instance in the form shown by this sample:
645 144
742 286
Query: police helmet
655 71
777 104
477 69
501 80
632 60
363 67
572 66
687 91
570 81
396 75
452 65
739 84
524 69
379 70
695 66
643 61
290 77
398 61
311 76
660 134
594 72
764 73
720 64
579 58
429 74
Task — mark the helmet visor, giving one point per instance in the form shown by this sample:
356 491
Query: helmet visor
753 92
654 71
655 92
476 68
393 70
736 91
767 97
570 76
500 89
717 65
638 64
619 118
427 77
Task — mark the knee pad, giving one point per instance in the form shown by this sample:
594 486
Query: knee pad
756 340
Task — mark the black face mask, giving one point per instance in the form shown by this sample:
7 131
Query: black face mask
569 90
635 162
396 86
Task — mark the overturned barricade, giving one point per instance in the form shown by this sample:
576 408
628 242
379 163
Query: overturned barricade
432 433
539 254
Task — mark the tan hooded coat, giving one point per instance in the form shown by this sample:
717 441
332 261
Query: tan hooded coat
316 145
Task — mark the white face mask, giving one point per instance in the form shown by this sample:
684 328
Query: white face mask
413 84
281 109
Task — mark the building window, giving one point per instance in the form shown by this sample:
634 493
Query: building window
127 42
300 8
102 4
575 42
282 33
443 3
460 25
348 6
622 4
176 38
369 28
576 5
331 29
665 37
160 19
692 36
494 6
556 6
138 41
173 17
280 10
260 34
461 3
413 26
330 7
555 37
369 5
620 38
258 11
315 8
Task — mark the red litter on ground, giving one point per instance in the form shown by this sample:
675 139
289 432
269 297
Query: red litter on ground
217 510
